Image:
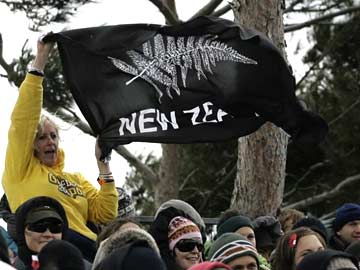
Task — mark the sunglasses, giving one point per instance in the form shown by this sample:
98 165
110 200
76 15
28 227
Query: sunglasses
188 245
41 227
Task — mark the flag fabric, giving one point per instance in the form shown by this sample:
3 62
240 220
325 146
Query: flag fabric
204 80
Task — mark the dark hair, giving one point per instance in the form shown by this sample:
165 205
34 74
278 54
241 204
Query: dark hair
227 214
284 257
114 226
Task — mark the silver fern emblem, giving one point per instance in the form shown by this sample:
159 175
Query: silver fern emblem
157 62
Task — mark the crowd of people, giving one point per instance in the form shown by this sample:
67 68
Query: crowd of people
59 220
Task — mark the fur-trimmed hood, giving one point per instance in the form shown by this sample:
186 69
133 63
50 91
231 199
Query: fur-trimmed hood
121 238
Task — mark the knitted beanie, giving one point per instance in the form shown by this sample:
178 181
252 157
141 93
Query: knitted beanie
328 259
210 266
234 223
230 246
346 213
182 228
314 224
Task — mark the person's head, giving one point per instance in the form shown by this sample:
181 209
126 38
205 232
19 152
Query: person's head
126 206
210 266
132 256
288 217
328 260
46 141
227 214
120 238
346 224
267 232
115 225
238 224
314 224
39 221
60 255
235 251
185 242
294 245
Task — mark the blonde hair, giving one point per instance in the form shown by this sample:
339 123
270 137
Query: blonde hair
40 127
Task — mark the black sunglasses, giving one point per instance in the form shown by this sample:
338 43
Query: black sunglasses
187 245
41 227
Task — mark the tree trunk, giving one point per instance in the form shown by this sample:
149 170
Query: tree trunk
259 183
169 178
169 174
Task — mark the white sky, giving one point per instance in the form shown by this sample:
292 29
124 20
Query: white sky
79 148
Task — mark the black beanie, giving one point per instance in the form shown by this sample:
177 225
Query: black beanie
346 213
324 260
61 255
314 224
134 256
233 224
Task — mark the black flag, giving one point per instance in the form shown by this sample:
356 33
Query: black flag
204 80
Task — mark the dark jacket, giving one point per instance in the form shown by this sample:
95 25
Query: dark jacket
20 215
336 243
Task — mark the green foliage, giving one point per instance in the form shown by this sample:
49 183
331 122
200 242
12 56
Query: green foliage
43 12
332 89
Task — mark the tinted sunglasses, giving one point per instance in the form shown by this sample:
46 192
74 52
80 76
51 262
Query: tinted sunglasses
41 227
188 245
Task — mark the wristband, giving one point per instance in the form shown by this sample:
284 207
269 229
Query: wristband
36 71
105 178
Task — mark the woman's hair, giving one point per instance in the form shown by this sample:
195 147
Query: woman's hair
40 127
284 258
114 226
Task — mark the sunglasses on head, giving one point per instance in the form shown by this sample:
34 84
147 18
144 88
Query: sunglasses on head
187 245
42 226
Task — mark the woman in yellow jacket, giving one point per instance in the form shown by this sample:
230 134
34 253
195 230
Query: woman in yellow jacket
34 164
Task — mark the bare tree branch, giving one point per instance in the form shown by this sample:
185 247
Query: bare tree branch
292 5
8 68
221 11
169 15
325 195
188 177
349 108
305 175
313 66
146 172
291 28
217 188
207 9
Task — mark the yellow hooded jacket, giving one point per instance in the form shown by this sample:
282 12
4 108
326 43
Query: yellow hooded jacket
26 177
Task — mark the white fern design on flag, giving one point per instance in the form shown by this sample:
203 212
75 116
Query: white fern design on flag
157 62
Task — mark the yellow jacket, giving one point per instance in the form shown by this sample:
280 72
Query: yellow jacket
26 177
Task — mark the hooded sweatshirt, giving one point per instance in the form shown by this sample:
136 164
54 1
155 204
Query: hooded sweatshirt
26 177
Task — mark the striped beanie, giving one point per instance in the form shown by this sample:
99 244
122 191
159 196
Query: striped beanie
230 246
182 228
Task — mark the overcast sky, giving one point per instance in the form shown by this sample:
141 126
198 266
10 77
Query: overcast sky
79 148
